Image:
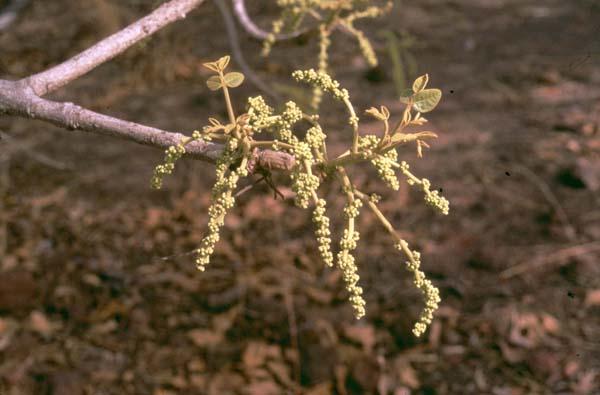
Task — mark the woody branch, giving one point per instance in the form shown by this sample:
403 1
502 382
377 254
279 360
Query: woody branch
24 97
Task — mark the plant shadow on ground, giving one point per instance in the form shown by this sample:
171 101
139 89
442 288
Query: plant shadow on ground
88 304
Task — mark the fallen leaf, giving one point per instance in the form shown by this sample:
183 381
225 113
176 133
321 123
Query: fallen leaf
255 355
39 323
586 383
550 324
8 328
205 337
571 368
320 389
511 354
406 374
588 170
592 298
281 372
362 334
262 388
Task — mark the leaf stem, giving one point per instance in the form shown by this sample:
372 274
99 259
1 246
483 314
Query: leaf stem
227 98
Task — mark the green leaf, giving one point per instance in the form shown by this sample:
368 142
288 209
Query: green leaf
406 95
426 100
233 79
420 83
376 113
214 83
223 62
211 66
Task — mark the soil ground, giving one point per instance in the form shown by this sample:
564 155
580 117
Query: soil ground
98 291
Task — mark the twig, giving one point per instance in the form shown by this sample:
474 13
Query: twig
80 64
560 255
247 187
238 55
23 97
16 98
239 8
9 14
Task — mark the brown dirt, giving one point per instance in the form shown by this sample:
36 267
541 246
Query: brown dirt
89 305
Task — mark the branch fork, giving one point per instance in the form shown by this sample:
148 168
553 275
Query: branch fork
24 97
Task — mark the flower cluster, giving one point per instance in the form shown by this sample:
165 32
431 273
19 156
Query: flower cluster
383 163
222 200
347 264
430 293
324 43
311 166
432 198
322 232
259 113
323 81
172 155
328 15
351 210
304 185
315 138
345 259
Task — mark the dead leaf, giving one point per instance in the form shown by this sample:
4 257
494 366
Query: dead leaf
110 309
154 217
320 389
55 197
262 388
550 324
571 368
362 334
511 354
563 92
406 374
39 323
586 383
281 372
8 328
222 322
196 365
588 170
255 355
592 298
480 380
340 372
225 382
435 334
318 294
104 328
205 337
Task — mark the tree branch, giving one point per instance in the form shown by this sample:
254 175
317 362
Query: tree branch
238 55
60 75
23 98
239 7
19 99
